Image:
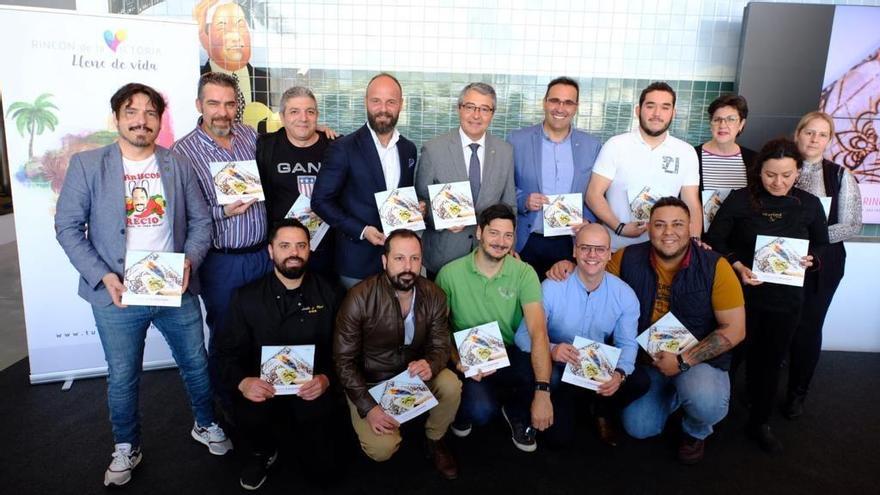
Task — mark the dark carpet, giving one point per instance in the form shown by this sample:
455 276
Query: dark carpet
54 442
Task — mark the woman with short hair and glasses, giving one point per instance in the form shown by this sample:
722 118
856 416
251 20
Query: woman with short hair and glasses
822 178
723 163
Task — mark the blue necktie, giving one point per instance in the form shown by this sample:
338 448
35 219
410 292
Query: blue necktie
474 171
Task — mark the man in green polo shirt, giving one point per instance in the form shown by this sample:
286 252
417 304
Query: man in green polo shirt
488 285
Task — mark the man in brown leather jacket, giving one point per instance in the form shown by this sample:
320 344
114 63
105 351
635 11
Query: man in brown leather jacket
391 322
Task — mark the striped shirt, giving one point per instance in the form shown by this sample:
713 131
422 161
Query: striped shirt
723 172
239 231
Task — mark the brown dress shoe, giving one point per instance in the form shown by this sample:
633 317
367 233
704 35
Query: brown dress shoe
691 450
443 459
606 431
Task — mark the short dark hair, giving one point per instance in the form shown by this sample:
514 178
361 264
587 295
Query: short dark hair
657 86
285 223
565 80
218 79
730 100
495 212
123 96
400 234
385 74
670 201
775 149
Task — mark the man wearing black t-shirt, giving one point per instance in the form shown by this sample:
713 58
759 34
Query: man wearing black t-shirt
289 160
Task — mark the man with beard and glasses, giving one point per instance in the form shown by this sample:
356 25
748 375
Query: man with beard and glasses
95 229
238 254
372 159
672 273
291 306
647 162
392 322
489 285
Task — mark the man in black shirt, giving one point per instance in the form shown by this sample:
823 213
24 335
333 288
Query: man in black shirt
289 307
289 160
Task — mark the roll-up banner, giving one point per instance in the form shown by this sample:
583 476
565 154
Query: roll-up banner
56 101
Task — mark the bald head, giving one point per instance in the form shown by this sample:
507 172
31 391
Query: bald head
593 234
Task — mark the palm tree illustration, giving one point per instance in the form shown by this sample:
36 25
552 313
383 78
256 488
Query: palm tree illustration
34 118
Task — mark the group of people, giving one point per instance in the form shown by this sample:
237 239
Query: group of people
375 304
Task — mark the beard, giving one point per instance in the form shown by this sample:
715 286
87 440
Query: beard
491 256
651 133
218 130
382 128
291 273
671 256
403 281
139 141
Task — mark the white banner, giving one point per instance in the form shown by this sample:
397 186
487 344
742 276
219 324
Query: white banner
56 102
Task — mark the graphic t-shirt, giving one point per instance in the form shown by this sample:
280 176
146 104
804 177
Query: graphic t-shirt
146 225
294 171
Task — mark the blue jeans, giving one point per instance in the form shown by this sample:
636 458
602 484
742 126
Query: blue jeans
510 387
703 392
123 332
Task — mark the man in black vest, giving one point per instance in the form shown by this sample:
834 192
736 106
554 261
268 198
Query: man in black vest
672 273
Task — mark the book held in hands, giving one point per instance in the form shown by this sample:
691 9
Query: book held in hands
712 199
153 278
666 334
234 181
403 397
596 364
481 348
641 201
399 209
563 211
287 367
302 211
452 205
778 260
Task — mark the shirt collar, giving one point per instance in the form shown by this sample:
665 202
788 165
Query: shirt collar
395 136
466 140
580 283
472 265
639 138
564 140
685 262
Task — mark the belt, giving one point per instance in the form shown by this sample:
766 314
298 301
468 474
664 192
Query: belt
244 250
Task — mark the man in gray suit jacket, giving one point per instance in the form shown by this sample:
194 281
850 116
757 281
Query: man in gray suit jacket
471 154
134 195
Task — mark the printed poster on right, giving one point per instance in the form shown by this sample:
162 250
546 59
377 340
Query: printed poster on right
778 260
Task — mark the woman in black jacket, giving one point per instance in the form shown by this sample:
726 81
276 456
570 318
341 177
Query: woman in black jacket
770 206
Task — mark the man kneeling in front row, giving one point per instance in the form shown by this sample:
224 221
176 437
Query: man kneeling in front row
291 306
672 274
392 322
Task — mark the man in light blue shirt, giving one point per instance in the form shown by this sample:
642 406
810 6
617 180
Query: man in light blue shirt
600 307
549 159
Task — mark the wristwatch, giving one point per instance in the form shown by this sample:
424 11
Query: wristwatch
622 375
542 386
682 365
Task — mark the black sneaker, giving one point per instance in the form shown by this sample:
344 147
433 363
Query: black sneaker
460 429
523 435
253 475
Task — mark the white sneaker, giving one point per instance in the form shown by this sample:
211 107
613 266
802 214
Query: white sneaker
214 437
124 461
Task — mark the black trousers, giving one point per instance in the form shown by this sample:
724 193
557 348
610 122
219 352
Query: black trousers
807 343
543 252
308 430
768 337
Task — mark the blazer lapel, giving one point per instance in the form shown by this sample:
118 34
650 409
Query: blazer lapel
371 157
458 170
537 148
577 150
116 181
166 174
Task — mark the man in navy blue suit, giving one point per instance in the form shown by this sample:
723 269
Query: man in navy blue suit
372 159
550 158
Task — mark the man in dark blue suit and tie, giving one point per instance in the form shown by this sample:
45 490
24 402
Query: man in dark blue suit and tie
372 159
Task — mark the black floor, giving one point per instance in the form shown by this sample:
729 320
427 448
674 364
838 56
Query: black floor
54 442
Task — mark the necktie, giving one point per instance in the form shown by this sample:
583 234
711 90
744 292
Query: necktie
474 171
239 98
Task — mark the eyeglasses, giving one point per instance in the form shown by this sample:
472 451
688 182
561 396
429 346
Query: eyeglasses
471 108
587 249
730 120
566 103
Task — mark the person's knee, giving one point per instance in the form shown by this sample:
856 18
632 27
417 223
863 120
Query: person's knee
447 386
380 449
640 423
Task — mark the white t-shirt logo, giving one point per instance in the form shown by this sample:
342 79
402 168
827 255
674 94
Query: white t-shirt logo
670 164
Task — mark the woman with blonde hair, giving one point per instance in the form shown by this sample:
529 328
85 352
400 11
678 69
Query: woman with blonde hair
825 179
